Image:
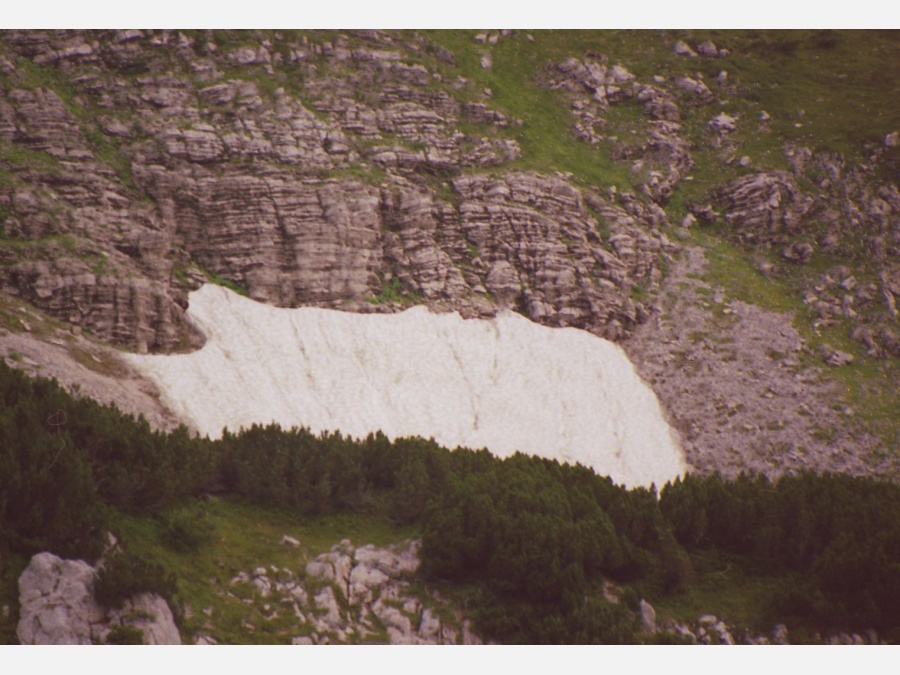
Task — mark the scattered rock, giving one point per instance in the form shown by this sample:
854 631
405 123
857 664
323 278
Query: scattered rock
723 124
696 87
709 50
683 49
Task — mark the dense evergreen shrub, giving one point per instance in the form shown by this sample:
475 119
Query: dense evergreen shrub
125 635
124 574
186 531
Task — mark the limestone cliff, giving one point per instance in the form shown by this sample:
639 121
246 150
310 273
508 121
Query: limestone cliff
146 160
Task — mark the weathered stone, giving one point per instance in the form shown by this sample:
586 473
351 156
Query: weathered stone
397 624
764 206
723 124
708 49
364 581
150 614
58 607
429 627
696 87
648 617
682 49
57 602
326 601
708 620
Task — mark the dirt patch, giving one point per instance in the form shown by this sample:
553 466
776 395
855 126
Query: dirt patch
731 378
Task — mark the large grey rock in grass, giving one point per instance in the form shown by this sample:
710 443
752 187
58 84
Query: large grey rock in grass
58 607
683 49
398 625
723 124
708 49
430 627
763 207
798 252
57 602
696 87
332 566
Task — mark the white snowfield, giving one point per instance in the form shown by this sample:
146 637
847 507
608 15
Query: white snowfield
504 384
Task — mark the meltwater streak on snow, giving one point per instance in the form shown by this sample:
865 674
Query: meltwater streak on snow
506 384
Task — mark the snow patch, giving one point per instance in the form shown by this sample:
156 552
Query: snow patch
506 384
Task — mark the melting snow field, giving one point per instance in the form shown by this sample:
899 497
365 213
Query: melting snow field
506 384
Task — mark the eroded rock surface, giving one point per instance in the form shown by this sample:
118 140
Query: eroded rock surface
57 602
58 608
355 594
214 175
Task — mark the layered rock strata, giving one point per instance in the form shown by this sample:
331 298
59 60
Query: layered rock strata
170 158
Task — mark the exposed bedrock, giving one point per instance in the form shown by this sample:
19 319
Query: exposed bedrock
166 159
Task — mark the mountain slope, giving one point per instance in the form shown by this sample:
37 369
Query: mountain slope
559 175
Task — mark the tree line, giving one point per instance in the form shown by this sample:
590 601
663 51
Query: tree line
536 538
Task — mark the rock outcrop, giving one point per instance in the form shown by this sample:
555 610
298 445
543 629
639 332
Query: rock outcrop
354 595
764 207
57 602
661 156
58 607
162 170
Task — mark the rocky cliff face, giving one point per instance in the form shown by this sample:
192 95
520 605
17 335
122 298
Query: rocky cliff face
172 157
